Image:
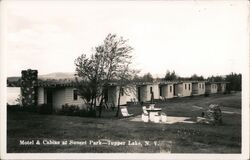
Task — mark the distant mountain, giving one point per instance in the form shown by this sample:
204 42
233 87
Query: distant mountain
58 75
55 75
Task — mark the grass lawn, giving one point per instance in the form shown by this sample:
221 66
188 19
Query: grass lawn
174 138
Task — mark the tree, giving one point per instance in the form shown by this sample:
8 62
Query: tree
216 78
124 83
195 77
170 76
104 65
147 77
91 73
234 82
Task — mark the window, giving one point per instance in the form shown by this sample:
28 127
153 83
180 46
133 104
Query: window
199 85
75 94
185 86
170 88
202 86
189 86
160 89
151 89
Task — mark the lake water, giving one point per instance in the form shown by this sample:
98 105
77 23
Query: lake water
12 94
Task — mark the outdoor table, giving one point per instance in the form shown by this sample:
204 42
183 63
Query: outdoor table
152 112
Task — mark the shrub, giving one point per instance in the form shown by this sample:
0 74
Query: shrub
87 113
74 110
44 109
13 108
41 109
206 94
214 114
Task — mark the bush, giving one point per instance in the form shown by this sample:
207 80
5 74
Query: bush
44 109
206 94
86 113
213 114
13 108
41 109
74 110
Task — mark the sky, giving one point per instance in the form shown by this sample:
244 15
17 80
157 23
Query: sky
202 37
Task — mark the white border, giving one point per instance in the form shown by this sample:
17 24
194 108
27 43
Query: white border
4 155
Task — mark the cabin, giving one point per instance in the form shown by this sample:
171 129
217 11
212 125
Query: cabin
166 90
211 87
222 87
128 94
36 91
58 96
183 89
145 91
198 88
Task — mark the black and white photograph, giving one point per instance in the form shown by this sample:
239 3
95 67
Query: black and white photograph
124 79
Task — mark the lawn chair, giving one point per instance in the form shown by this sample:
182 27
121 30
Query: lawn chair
145 115
124 112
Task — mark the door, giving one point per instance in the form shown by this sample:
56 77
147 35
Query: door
49 97
49 107
139 93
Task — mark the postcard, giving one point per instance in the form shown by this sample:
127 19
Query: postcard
124 79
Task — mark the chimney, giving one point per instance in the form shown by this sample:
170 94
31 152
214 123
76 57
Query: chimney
28 87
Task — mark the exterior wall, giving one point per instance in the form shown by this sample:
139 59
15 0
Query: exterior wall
128 96
144 94
113 95
201 88
178 89
198 88
155 89
60 97
166 92
183 89
214 88
222 87
69 98
211 88
40 95
186 89
170 93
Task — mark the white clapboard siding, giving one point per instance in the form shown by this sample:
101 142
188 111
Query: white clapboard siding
69 98
156 91
40 95
214 88
201 88
186 90
58 98
131 94
144 94
170 91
